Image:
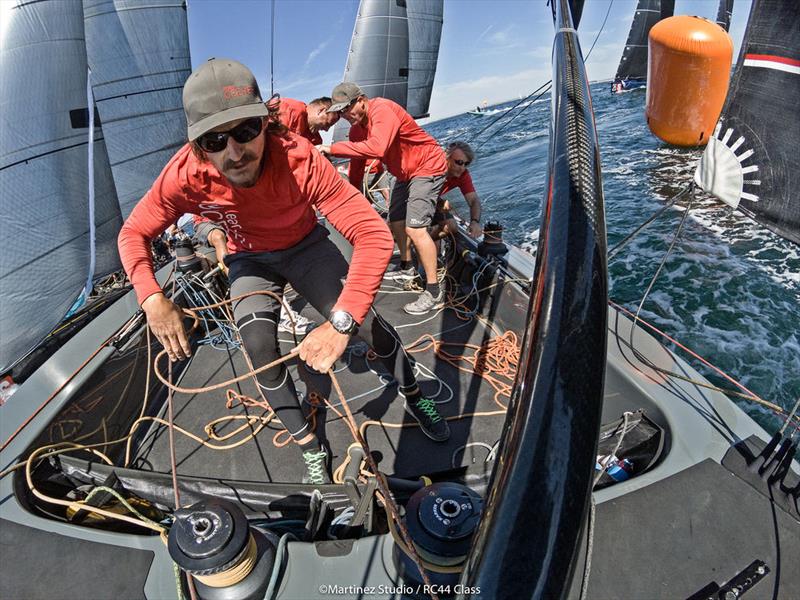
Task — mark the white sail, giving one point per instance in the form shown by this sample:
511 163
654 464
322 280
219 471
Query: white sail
139 56
425 19
44 173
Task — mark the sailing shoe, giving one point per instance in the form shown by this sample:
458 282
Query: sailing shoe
395 273
424 303
316 467
301 325
430 421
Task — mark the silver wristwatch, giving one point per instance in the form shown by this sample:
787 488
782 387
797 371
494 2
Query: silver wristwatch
343 322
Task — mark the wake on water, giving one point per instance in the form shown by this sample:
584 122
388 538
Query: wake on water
730 289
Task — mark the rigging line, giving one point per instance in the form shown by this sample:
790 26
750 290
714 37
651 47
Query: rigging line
597 37
272 51
658 272
613 252
541 87
524 108
791 416
509 111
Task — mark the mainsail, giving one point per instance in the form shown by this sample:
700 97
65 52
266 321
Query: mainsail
44 173
633 64
424 33
378 56
724 14
752 161
139 56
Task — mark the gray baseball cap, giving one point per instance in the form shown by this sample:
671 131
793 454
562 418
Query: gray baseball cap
343 94
221 90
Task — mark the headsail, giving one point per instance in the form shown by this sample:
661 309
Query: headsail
724 14
424 33
378 56
44 173
633 64
139 56
752 161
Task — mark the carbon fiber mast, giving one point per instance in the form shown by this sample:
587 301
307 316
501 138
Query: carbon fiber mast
528 538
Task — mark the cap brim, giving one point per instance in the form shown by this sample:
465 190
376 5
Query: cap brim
226 116
338 107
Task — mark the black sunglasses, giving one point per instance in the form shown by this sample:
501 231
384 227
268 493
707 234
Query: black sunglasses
462 163
348 107
216 141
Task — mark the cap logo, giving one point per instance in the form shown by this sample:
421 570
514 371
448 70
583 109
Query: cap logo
234 91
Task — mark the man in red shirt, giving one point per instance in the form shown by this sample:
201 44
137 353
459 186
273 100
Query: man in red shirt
263 185
306 119
459 156
381 129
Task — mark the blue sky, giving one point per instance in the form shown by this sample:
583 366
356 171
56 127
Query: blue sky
492 50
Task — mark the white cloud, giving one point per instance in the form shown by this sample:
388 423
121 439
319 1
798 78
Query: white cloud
316 52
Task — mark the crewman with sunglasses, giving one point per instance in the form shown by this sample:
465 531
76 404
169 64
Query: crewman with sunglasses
263 184
382 129
459 156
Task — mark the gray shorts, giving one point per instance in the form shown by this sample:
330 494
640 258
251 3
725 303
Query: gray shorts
203 229
413 201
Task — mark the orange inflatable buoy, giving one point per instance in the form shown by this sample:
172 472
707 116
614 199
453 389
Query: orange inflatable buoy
687 79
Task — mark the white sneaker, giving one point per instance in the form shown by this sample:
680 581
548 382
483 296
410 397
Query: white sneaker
424 303
301 325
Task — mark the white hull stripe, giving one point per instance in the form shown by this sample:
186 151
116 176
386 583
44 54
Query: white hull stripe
778 63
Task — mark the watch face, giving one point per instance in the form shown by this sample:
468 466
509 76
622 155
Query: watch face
342 321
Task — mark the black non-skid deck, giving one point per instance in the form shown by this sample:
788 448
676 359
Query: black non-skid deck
399 445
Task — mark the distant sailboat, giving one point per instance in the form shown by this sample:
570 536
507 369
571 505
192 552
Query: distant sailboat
632 69
724 14
751 162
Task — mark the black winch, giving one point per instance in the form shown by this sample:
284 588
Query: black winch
492 243
440 519
212 541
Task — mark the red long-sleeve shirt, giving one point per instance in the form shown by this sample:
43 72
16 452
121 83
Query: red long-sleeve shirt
463 182
392 136
275 214
294 114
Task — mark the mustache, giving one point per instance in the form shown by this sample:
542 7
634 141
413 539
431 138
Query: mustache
246 158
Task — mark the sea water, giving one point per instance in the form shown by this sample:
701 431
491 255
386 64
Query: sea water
730 289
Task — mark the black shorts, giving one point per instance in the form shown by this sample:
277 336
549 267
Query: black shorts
413 201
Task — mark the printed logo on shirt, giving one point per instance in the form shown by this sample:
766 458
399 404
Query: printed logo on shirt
234 91
228 219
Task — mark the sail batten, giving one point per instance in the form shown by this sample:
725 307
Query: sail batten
724 14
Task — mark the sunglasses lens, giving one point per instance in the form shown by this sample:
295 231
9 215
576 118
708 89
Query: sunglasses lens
247 131
216 141
462 163
213 142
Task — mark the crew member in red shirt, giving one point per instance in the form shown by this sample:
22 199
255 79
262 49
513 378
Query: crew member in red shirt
382 129
305 119
263 185
459 156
